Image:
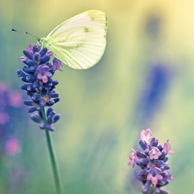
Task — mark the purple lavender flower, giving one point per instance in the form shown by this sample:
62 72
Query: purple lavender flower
152 160
10 108
12 146
37 77
43 73
153 92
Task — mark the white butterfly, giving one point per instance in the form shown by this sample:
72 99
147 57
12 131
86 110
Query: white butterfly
80 41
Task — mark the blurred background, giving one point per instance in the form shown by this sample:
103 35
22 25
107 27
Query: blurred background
145 79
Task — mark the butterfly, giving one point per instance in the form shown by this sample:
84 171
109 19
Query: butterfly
80 41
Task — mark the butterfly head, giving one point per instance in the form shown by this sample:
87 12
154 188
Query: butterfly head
42 42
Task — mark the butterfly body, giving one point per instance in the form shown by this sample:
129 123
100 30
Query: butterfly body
80 41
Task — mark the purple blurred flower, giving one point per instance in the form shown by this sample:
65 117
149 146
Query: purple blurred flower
3 118
15 99
12 146
153 92
18 175
152 161
10 102
11 110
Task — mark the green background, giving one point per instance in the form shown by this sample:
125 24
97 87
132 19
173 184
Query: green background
101 108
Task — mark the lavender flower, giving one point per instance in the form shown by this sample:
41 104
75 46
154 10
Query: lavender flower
37 77
10 108
152 160
12 146
153 93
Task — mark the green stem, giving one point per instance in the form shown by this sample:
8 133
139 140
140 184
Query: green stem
152 190
52 157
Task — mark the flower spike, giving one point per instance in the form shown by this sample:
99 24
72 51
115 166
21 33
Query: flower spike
37 76
152 159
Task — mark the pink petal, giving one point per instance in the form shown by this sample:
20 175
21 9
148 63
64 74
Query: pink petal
45 79
149 177
167 148
48 74
145 135
39 76
154 180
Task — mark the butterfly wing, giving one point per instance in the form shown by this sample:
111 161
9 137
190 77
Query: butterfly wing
80 41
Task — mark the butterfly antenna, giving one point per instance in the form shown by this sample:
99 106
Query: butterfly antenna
33 36
14 30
